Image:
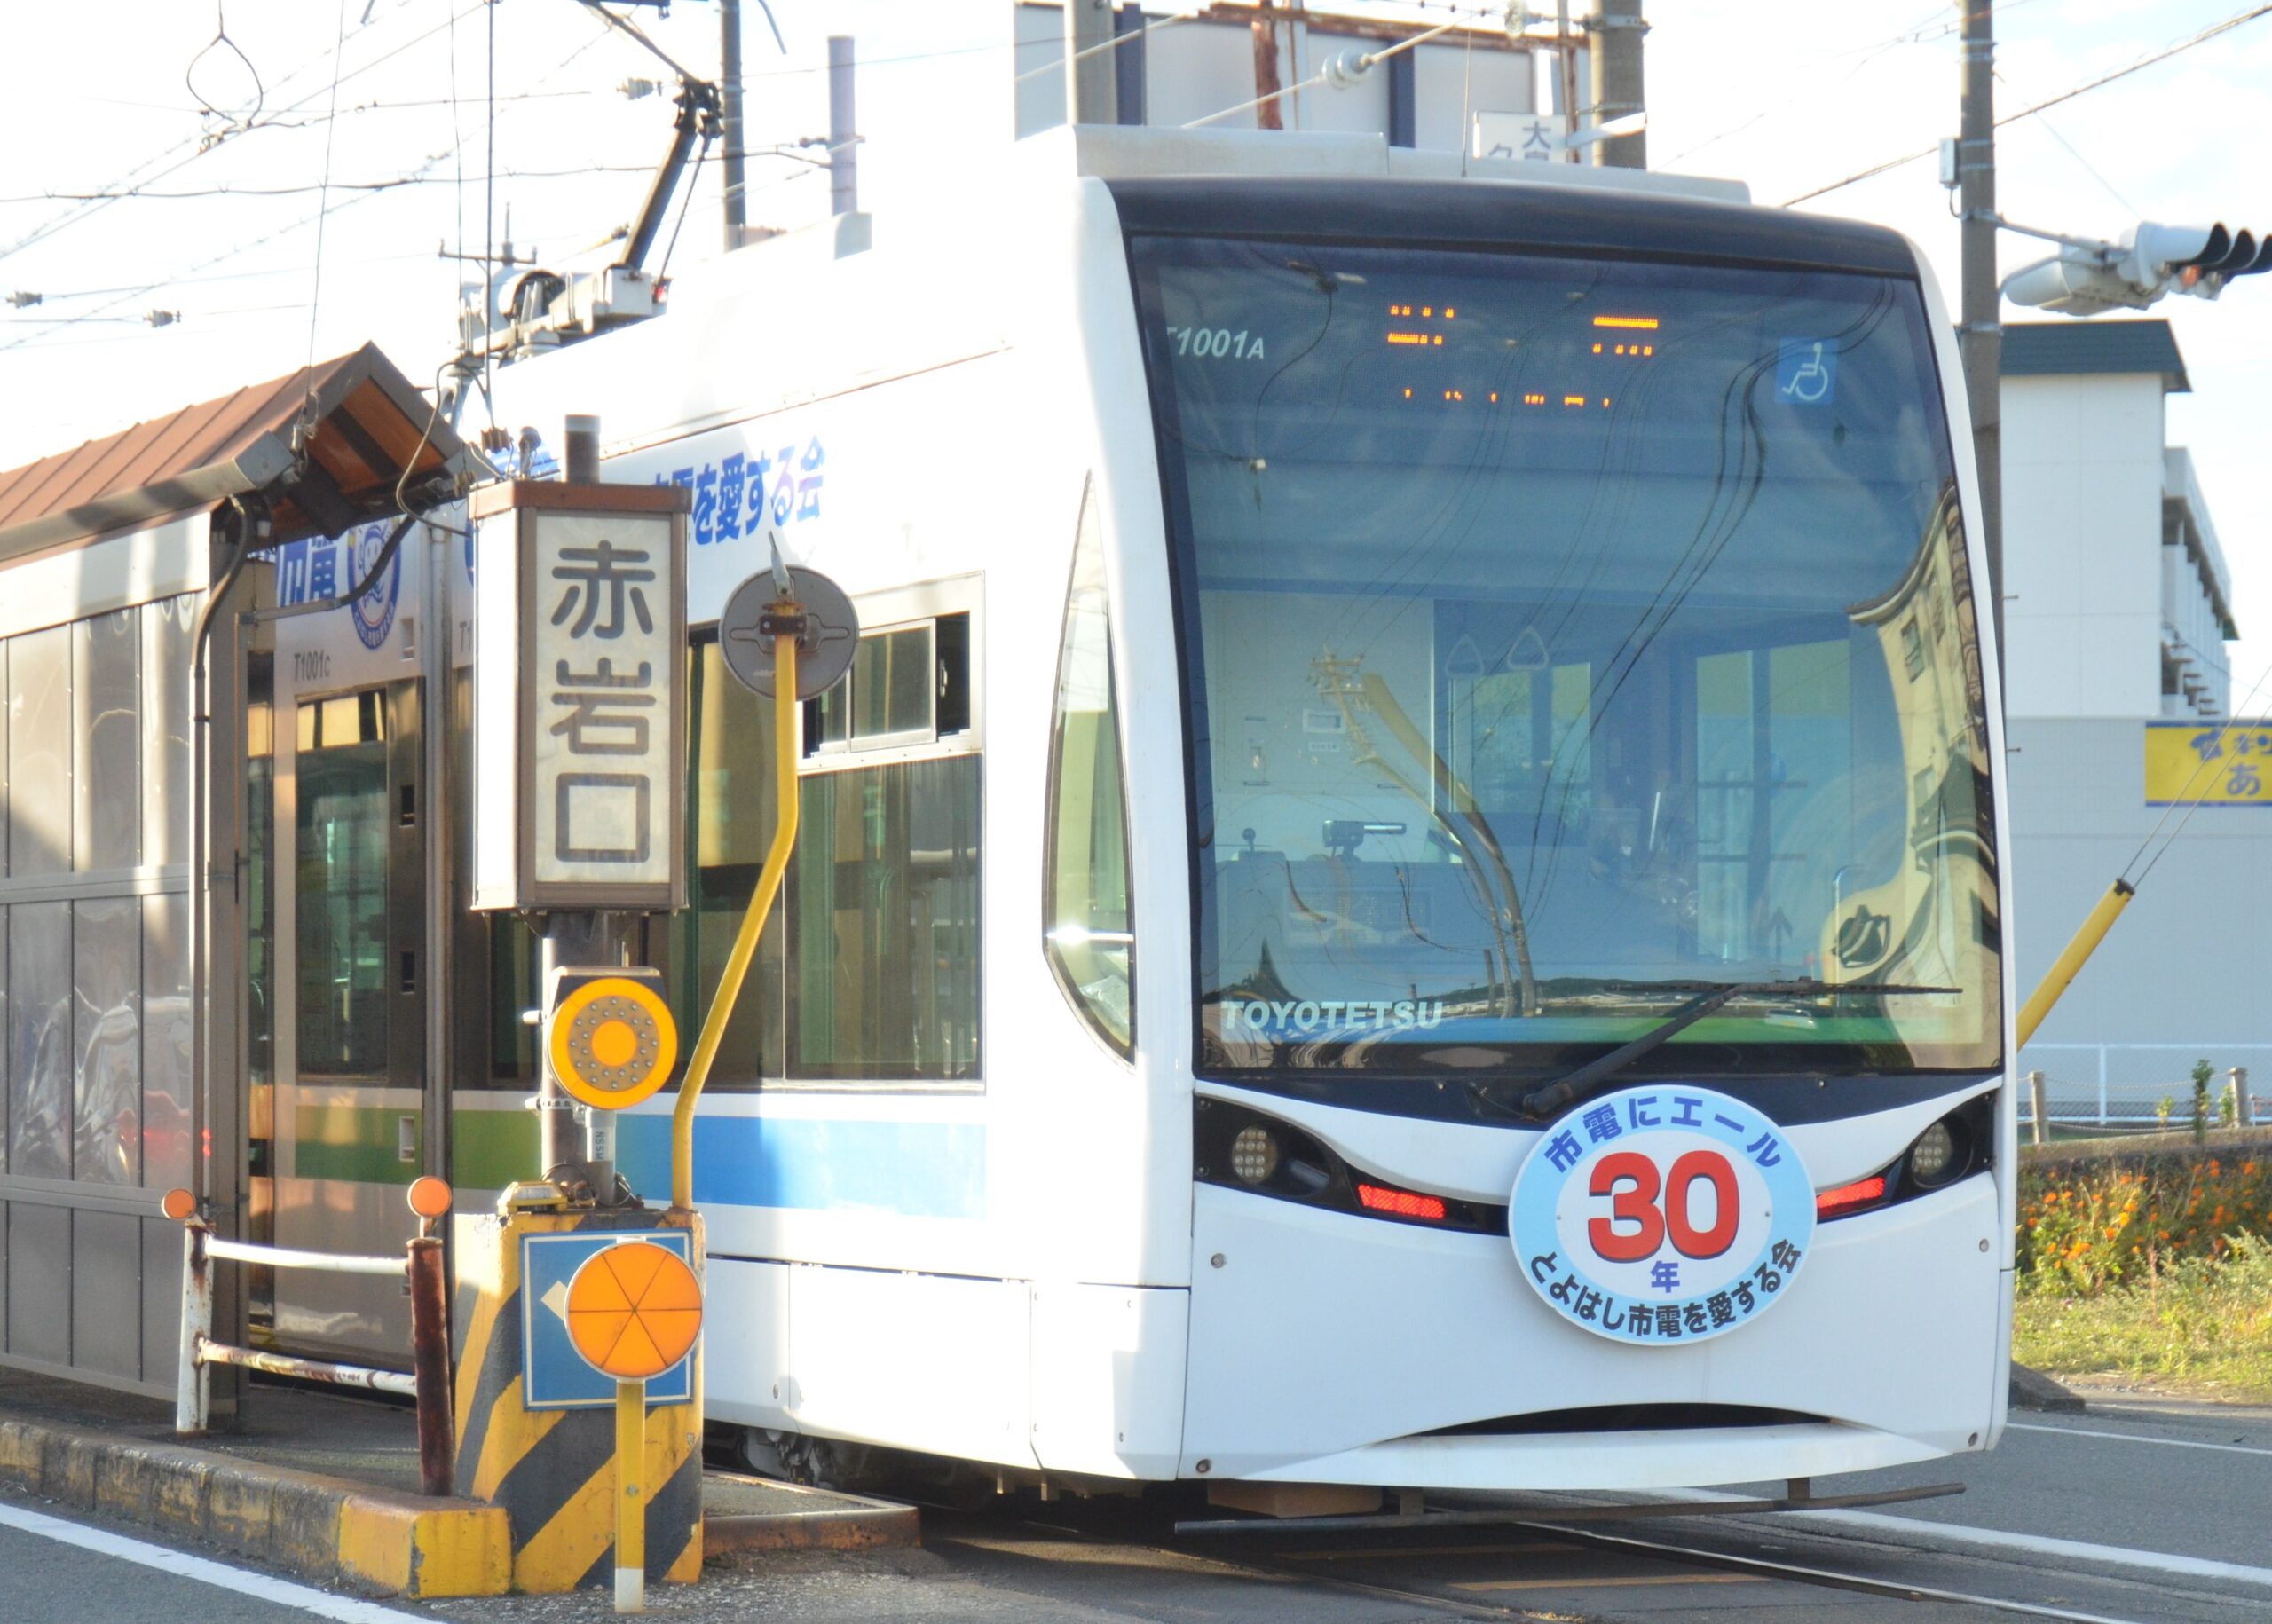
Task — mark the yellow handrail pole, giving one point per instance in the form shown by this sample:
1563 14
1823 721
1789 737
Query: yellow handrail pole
2069 963
760 903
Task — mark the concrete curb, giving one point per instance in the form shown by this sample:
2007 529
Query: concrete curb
2031 1390
327 1530
865 1525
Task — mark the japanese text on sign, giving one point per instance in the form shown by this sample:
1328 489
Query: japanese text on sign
2224 763
743 493
601 687
1661 1214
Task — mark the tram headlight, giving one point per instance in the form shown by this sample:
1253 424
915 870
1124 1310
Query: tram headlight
1939 1154
1254 1153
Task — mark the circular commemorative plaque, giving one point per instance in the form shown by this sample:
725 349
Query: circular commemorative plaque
1662 1215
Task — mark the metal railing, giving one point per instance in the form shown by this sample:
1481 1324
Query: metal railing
428 1382
2124 1085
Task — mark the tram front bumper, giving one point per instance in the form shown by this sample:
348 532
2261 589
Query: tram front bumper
1336 1349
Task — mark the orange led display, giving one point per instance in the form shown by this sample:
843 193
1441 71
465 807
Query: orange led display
1647 323
1534 400
1574 400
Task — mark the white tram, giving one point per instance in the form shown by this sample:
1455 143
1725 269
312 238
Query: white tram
1343 654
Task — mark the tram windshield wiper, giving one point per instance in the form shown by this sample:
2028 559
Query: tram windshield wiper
1548 1098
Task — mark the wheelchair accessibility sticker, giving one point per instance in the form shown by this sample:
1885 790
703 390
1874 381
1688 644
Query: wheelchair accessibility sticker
1806 373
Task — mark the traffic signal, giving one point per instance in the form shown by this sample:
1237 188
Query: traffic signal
2150 260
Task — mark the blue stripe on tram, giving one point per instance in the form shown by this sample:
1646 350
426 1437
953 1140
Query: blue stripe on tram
916 1168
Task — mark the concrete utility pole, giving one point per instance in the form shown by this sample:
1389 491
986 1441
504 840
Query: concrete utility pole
843 129
730 98
1266 82
1618 30
1979 334
1566 52
1091 82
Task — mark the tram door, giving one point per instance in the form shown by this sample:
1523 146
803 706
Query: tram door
341 1136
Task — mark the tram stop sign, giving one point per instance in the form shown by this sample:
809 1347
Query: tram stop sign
633 1310
609 1034
824 651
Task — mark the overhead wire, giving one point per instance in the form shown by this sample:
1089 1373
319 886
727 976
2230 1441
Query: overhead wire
70 218
323 213
2215 31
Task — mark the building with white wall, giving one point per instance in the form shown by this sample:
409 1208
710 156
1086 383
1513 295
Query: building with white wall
1171 70
2118 608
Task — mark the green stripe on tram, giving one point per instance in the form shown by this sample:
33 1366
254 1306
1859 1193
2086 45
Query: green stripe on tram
363 1145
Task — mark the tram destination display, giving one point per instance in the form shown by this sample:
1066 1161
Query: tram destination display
580 696
1662 1215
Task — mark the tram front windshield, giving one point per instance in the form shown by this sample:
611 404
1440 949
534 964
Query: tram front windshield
1563 638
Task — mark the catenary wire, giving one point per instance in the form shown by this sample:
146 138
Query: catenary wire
2213 31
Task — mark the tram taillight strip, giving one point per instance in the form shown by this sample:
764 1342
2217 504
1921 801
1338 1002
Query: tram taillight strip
1850 1197
1402 1203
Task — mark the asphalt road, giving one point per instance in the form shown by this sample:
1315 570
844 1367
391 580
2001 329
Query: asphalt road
2142 1512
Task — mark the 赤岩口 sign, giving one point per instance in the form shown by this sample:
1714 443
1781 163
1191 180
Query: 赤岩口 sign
580 696
1662 1215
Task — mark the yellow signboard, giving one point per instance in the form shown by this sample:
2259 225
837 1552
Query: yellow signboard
2224 763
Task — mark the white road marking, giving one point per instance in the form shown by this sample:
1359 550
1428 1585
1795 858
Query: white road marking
2043 1545
243 1582
2133 1438
1996 1539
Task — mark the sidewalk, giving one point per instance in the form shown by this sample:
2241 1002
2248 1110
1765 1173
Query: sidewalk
327 1487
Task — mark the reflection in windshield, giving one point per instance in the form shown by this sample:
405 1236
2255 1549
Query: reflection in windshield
1562 635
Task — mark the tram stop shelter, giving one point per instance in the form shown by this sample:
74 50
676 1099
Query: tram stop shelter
125 1066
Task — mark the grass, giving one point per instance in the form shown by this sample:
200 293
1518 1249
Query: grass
2201 1325
2150 1260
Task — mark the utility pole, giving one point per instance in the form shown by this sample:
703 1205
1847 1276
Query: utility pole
1090 79
843 129
1618 30
1565 51
730 89
1980 335
1267 115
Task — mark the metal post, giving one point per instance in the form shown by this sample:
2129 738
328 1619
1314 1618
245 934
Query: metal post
192 1386
1091 81
1565 48
2101 1085
1618 30
429 1364
631 1497
1980 334
2244 1107
843 129
2035 1102
729 118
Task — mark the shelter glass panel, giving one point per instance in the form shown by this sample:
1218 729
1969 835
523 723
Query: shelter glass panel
39 753
107 994
165 1123
106 728
39 1040
166 628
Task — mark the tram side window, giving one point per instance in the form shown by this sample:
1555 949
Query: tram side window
1088 932
869 971
735 811
881 982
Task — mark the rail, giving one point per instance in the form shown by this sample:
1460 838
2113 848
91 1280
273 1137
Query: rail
427 1383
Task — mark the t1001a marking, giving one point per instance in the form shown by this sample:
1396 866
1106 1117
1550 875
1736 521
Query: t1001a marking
1217 343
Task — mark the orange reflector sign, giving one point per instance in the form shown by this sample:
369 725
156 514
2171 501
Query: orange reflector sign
633 1310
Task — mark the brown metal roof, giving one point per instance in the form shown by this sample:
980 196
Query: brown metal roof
369 420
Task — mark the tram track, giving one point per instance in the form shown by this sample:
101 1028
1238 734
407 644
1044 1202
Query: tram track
1311 1570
